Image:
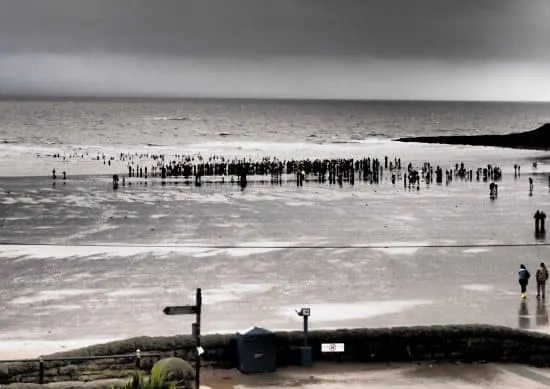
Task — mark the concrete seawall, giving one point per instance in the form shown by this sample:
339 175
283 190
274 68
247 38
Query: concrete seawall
464 343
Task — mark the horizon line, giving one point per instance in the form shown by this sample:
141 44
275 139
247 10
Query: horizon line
48 97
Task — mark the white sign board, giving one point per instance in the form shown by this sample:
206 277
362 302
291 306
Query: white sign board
332 347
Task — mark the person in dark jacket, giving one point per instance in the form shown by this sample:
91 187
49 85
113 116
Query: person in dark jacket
541 276
523 277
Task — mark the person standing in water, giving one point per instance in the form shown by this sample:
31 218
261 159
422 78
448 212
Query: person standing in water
541 277
523 277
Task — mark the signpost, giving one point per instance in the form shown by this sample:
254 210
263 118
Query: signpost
305 313
195 328
181 310
305 350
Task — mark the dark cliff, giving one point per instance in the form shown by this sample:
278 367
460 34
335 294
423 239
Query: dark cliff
535 139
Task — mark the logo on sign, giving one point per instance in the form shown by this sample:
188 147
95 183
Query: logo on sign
332 347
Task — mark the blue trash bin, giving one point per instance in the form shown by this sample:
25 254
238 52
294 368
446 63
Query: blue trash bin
306 357
257 351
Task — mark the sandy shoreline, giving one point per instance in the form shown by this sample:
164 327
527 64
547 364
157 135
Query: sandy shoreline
50 282
30 160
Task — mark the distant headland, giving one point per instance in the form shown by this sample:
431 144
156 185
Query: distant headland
536 139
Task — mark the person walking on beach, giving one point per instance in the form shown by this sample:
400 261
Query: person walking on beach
541 277
523 277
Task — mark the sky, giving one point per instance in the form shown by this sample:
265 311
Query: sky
341 49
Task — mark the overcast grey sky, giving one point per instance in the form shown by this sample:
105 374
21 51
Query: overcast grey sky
440 49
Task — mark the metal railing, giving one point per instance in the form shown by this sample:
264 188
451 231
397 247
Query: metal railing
41 361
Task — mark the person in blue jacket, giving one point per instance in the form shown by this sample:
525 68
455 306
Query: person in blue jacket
523 277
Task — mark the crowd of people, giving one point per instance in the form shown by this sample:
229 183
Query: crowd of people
144 166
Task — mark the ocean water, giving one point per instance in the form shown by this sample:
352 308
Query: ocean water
81 263
181 122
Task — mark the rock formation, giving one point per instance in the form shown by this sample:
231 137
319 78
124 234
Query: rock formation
535 139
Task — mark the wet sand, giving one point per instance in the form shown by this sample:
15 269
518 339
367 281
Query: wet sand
105 263
32 161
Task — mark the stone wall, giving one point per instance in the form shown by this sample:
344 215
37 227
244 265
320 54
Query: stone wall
466 343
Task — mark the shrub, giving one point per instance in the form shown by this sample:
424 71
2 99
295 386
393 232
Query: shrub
157 380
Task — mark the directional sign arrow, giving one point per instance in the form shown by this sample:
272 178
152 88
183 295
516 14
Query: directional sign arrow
180 310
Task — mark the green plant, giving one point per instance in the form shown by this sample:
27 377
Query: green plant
157 380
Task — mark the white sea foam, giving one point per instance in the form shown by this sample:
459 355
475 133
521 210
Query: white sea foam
158 216
63 308
476 250
399 248
299 204
209 253
28 200
54 251
205 198
11 200
227 225
112 250
132 292
257 196
83 201
233 292
332 312
250 249
13 218
49 295
77 277
245 251
478 287
405 217
151 197
90 231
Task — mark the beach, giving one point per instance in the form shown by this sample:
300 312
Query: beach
85 264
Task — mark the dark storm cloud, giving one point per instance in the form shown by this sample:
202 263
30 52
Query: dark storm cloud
392 29
457 49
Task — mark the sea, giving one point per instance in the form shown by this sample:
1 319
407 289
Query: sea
81 263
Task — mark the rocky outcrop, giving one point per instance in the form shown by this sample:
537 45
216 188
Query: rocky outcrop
536 139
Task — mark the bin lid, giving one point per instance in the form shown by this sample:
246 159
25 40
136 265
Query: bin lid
256 331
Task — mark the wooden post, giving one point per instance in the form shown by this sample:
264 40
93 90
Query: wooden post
138 359
41 370
305 329
196 327
198 339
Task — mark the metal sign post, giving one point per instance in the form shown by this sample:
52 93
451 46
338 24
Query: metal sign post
195 327
305 351
305 313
